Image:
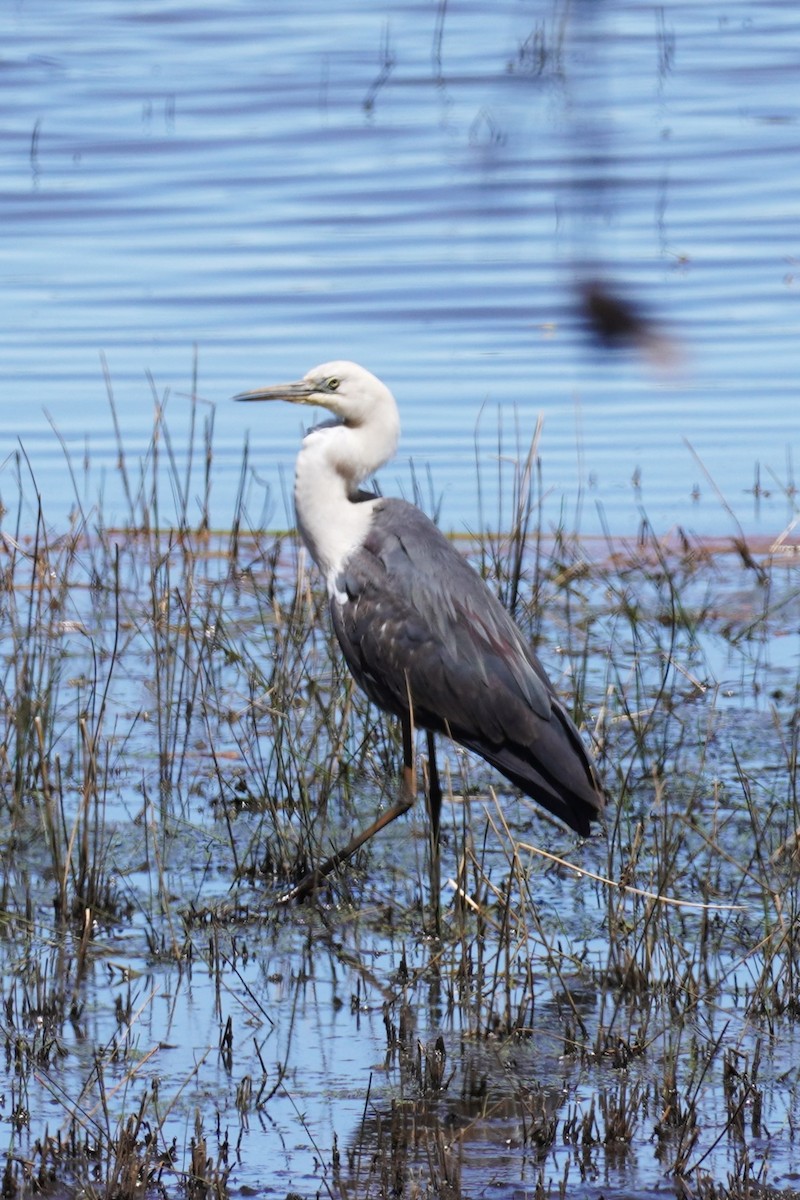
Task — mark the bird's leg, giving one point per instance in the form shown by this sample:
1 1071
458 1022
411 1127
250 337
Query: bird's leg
407 787
434 790
314 878
409 768
433 799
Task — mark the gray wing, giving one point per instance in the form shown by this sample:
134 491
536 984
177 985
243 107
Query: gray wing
415 620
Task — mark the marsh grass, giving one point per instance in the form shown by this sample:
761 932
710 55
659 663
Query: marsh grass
180 740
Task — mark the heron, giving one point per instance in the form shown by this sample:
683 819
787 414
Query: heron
422 633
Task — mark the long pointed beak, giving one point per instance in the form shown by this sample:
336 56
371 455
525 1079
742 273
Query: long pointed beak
296 393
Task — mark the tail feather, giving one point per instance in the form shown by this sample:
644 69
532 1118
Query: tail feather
576 808
554 768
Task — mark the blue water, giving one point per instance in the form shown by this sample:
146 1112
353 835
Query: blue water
421 190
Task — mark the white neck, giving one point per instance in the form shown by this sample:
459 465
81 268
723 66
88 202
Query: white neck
333 460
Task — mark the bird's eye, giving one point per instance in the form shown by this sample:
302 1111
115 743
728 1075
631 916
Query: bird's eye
332 384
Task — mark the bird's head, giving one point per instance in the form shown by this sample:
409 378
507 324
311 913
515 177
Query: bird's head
347 390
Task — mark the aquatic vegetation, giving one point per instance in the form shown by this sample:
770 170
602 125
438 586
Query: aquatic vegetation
179 739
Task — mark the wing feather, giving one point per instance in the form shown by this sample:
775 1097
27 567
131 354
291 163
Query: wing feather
415 621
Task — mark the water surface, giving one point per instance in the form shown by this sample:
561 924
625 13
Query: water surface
421 189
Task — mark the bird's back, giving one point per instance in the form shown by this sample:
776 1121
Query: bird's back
420 629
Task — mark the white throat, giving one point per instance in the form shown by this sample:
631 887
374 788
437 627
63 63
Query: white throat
333 460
